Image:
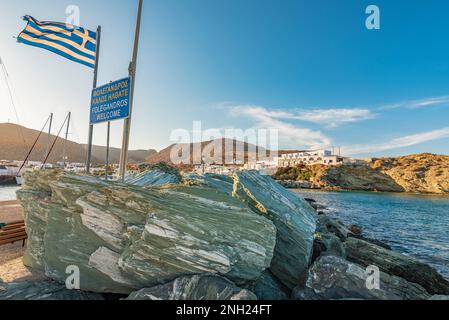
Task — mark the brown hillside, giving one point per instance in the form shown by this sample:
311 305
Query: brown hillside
249 151
16 141
420 173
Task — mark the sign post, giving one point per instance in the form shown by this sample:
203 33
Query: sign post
107 151
132 73
111 102
91 127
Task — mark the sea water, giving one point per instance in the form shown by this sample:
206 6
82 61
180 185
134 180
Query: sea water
415 225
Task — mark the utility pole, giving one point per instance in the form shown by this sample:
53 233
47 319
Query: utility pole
91 126
132 74
64 154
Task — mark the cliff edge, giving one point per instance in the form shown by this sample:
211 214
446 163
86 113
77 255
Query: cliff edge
420 173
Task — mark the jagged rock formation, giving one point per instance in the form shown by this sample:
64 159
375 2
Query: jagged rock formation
421 173
198 287
294 219
269 288
358 177
408 268
332 278
208 237
125 238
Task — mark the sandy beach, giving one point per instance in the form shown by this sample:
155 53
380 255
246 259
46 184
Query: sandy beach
11 265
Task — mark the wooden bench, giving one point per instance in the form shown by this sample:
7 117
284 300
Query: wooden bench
12 233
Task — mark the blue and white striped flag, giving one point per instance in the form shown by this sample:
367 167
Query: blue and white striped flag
74 43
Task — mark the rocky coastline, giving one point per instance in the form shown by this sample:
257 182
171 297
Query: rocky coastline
419 174
202 237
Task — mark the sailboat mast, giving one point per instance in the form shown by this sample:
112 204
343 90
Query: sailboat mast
66 138
47 150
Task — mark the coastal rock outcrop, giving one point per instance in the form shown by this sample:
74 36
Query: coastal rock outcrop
198 287
124 238
408 268
420 173
269 288
293 217
327 224
327 244
45 290
332 278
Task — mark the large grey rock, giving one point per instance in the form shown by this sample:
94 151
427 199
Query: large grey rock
327 244
124 238
268 288
198 287
327 224
46 290
332 278
365 254
439 298
219 182
293 218
157 176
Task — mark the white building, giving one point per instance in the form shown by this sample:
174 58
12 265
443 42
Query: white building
268 167
324 157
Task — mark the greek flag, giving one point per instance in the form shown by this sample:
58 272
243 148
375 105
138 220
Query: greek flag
74 43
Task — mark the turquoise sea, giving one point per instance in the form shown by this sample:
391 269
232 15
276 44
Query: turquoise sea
415 225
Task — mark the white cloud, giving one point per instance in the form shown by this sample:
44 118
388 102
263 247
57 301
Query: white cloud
416 104
398 143
327 117
335 117
290 136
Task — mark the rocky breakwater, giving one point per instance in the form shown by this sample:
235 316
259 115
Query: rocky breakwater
340 270
210 234
202 237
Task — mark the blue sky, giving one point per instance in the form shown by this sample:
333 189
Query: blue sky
309 68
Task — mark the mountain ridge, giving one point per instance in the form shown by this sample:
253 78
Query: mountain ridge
16 141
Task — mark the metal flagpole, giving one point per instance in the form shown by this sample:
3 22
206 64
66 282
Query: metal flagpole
107 151
64 154
91 127
132 73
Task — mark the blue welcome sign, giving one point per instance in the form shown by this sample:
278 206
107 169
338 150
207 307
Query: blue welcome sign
111 102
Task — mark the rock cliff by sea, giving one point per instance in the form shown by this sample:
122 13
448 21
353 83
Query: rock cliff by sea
421 173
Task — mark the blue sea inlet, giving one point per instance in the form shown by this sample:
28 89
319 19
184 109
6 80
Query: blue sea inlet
415 225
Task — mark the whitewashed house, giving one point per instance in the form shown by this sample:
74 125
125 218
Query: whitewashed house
323 157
